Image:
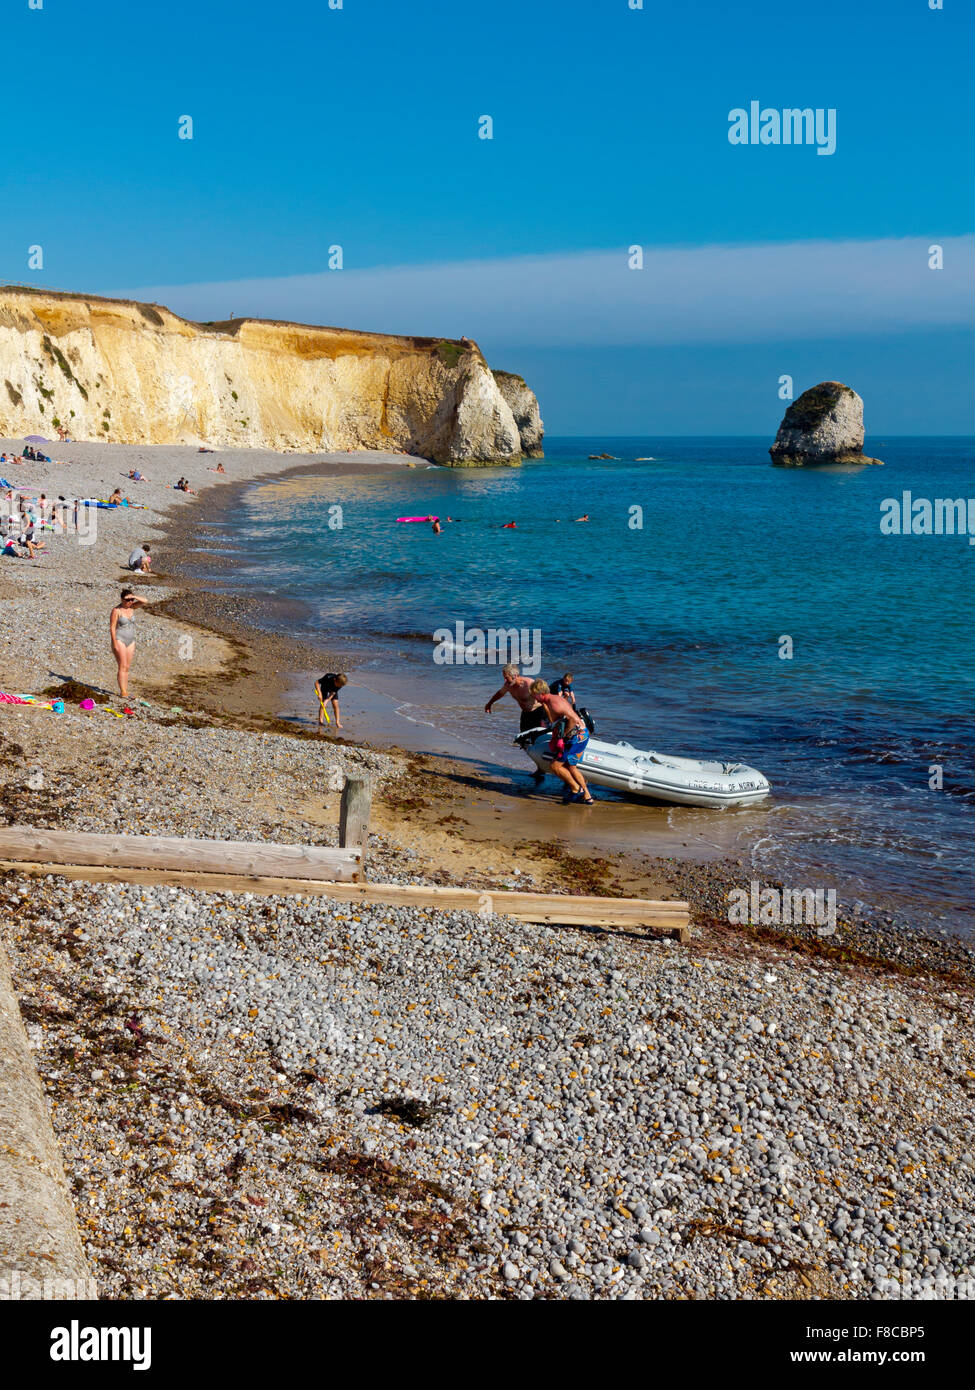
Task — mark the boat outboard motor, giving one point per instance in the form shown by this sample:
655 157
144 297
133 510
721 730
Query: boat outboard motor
587 719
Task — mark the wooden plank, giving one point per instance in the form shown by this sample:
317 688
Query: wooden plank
152 852
627 914
355 809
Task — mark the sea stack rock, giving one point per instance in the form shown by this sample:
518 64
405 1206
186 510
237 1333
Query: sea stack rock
825 425
524 407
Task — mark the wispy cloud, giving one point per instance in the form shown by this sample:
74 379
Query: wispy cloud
702 294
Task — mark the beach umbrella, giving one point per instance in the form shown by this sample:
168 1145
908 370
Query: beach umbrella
35 439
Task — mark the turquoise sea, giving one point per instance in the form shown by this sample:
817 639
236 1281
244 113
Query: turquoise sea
756 613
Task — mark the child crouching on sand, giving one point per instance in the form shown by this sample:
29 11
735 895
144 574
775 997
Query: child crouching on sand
327 689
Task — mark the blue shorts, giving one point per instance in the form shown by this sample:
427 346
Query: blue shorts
574 749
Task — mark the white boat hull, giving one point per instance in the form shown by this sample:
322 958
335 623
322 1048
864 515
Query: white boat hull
657 776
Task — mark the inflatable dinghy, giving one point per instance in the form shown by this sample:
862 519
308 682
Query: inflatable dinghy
657 776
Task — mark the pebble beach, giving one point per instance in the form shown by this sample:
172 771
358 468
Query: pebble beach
288 1098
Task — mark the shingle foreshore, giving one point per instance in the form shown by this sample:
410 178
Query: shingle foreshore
285 1097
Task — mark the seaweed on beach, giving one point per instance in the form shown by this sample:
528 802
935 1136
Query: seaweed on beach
384 1200
839 951
413 1112
73 692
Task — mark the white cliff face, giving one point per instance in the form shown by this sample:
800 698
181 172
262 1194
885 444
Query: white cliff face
138 374
825 425
524 407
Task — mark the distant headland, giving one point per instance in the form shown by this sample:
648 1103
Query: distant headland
133 373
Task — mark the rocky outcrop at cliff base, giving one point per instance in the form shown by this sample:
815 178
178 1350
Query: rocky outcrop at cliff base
825 425
524 407
135 373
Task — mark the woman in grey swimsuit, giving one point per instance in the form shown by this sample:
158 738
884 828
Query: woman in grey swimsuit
121 627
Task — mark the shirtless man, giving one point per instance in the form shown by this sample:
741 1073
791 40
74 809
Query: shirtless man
520 690
533 716
567 751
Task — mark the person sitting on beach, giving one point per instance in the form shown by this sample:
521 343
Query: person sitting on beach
219 469
327 689
183 485
116 499
568 744
563 687
140 561
137 477
27 548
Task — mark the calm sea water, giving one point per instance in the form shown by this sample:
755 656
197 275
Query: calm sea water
674 629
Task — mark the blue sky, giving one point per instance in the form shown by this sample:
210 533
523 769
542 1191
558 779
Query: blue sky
358 127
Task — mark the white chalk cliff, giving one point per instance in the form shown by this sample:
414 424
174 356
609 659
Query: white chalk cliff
138 374
524 407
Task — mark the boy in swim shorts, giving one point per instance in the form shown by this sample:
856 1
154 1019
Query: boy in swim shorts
567 747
